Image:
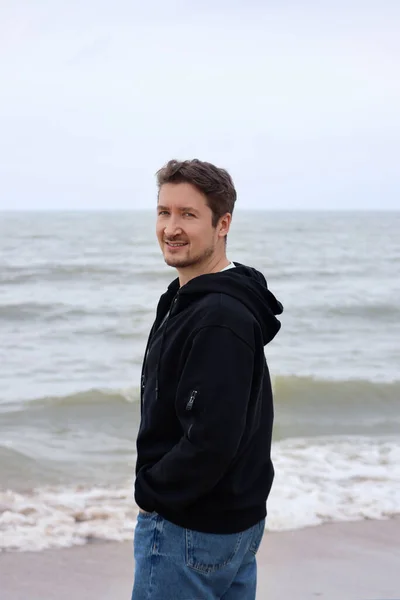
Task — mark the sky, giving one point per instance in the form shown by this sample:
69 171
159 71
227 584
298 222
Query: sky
300 101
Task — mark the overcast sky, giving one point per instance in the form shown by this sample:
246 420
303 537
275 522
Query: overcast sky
299 100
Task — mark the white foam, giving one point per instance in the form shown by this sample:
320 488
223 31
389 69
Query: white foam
321 480
57 517
317 480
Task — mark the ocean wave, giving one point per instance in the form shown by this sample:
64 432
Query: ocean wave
61 517
317 481
61 272
291 393
107 274
154 274
19 469
12 460
335 478
49 312
287 388
377 311
23 311
297 391
94 396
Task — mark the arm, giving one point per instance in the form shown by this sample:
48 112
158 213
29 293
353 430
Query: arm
219 368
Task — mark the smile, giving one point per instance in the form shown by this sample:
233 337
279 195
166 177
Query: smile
176 244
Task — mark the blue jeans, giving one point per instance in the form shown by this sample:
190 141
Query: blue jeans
172 563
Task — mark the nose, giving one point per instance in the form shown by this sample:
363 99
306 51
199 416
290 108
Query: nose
172 228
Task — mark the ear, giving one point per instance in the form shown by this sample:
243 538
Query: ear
224 225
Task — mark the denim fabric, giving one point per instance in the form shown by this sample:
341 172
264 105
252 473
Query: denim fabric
172 563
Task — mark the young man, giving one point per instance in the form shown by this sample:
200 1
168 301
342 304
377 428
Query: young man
204 469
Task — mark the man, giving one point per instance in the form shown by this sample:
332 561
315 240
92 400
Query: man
203 470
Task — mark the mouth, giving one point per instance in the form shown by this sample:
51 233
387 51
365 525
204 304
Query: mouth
175 245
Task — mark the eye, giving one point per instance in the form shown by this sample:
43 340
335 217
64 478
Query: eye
188 214
162 212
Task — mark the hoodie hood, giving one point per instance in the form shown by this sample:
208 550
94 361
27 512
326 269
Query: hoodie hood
246 284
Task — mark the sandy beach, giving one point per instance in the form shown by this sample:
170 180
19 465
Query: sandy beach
341 561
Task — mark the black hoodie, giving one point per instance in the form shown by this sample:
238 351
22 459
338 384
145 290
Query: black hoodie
203 448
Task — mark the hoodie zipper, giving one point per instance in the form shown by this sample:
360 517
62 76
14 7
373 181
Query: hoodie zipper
192 398
142 377
151 336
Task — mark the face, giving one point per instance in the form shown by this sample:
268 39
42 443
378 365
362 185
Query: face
184 226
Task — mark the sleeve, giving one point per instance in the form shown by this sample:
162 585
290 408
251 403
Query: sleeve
211 403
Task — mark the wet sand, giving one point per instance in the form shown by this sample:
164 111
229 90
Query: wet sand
343 561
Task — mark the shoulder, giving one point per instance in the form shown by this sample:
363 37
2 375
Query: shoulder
221 310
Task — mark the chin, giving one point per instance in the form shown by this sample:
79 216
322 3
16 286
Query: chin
177 264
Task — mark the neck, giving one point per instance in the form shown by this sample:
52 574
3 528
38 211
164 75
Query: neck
212 265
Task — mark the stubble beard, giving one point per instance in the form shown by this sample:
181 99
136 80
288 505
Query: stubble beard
192 261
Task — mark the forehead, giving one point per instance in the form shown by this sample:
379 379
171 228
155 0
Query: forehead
181 195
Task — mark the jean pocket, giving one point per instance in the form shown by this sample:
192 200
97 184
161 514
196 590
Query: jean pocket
209 552
258 535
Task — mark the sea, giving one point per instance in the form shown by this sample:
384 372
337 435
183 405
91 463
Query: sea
78 292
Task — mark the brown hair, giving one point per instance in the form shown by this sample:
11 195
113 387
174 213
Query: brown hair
215 183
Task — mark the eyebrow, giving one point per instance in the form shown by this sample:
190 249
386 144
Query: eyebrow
181 208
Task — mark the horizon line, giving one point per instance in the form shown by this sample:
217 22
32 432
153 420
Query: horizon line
237 209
